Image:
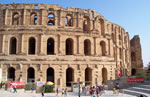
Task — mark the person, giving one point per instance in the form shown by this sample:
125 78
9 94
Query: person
43 91
141 95
15 90
57 92
1 84
65 92
62 92
32 90
117 87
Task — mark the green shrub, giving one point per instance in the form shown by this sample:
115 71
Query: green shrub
28 86
49 88
6 85
140 75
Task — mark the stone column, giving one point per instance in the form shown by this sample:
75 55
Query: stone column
1 43
6 18
58 44
95 46
20 44
77 37
6 44
109 47
24 17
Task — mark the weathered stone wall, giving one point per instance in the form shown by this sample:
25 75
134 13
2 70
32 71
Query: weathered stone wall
136 55
108 43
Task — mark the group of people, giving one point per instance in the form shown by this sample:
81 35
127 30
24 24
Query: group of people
63 92
94 91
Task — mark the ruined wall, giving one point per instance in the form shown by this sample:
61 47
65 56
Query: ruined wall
136 55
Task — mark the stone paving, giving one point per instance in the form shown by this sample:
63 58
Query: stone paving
4 93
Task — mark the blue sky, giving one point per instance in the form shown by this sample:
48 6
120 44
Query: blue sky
133 15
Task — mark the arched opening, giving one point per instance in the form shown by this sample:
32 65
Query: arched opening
50 74
120 52
69 47
15 19
51 19
88 76
32 44
11 74
69 76
33 18
86 24
13 45
102 27
92 14
87 47
103 48
69 20
50 46
133 72
104 75
31 75
133 57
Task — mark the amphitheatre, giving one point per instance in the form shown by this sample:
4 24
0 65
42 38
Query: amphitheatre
45 42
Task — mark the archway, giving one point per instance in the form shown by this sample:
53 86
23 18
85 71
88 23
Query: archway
50 46
13 45
87 47
69 76
31 75
50 74
15 18
11 74
102 27
32 44
86 24
104 75
88 75
103 48
69 46
133 72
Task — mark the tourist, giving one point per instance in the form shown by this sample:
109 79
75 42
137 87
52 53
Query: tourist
57 91
65 92
62 92
15 89
43 91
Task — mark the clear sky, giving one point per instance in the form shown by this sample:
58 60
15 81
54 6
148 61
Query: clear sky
133 15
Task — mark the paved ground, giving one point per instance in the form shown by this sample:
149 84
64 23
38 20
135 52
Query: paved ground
70 94
134 91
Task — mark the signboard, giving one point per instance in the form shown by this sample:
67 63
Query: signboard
135 80
40 83
17 84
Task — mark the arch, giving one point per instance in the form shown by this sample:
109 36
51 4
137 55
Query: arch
15 18
120 52
13 45
30 75
104 75
69 20
133 56
88 75
86 24
69 76
87 47
32 45
50 74
103 48
33 18
11 74
69 46
50 46
102 27
51 19
133 71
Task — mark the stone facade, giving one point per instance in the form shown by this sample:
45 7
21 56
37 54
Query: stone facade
44 42
136 55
